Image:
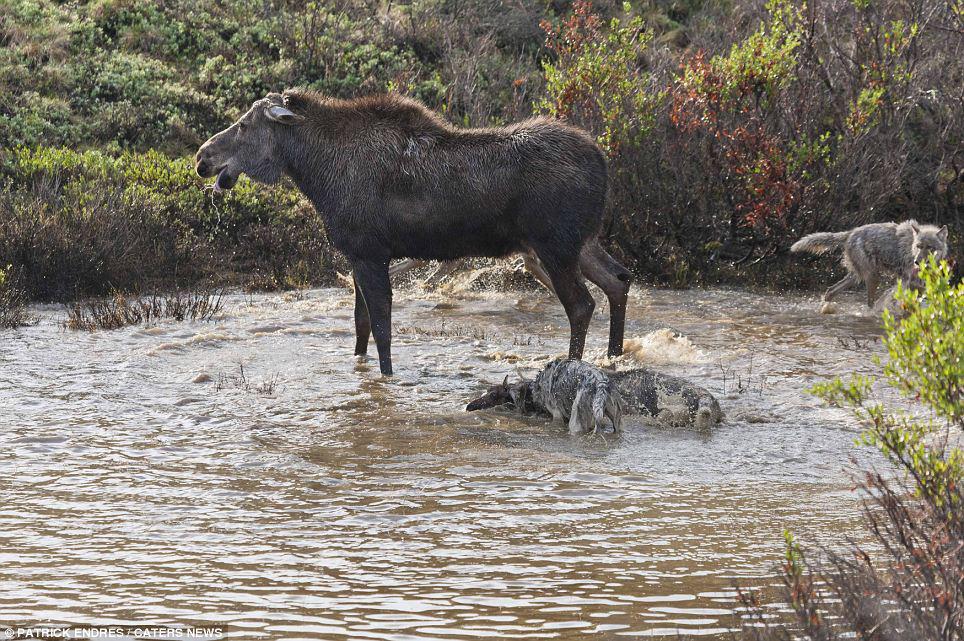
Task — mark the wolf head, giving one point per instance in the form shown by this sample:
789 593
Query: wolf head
928 240
518 394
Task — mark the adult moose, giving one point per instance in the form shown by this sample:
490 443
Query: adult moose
391 179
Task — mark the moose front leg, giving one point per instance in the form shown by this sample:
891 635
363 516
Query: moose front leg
363 324
376 289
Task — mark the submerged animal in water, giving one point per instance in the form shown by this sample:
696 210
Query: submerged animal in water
878 249
669 399
570 390
392 179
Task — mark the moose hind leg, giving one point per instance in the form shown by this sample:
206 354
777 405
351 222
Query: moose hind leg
363 324
377 291
606 273
575 298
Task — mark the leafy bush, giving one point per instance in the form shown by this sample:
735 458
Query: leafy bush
83 223
913 586
724 105
596 79
731 128
927 348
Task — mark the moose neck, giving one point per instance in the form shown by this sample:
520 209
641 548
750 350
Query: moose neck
304 160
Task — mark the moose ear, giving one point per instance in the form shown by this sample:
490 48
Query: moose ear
942 233
285 116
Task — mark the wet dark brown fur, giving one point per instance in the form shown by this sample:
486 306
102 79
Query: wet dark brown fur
393 180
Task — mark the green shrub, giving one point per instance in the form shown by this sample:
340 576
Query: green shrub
926 348
913 586
82 223
596 79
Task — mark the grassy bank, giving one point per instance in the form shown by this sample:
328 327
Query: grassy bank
83 223
732 126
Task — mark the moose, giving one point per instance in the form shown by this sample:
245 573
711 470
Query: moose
392 179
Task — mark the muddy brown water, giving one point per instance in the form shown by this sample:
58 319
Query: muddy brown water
340 505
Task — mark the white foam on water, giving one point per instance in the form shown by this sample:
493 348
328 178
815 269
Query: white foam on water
203 339
660 347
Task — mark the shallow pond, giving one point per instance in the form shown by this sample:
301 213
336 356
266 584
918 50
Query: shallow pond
310 498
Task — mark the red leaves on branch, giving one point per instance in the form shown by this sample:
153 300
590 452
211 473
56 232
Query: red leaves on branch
706 102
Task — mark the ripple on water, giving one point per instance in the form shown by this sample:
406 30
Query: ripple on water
341 505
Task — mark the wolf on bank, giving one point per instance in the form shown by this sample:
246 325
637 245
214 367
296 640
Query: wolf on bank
872 251
391 179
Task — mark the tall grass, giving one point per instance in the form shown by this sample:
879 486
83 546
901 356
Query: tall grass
13 310
121 310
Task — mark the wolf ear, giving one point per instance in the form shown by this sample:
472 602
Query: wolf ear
505 382
277 113
914 228
942 233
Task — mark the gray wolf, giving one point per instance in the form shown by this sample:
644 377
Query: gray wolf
669 399
391 179
874 250
570 390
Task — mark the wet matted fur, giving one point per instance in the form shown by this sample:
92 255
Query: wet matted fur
567 389
391 179
878 249
669 399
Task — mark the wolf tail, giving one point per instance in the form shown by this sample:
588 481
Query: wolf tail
606 404
704 418
820 243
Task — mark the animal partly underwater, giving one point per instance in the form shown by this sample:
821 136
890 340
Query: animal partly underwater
644 392
392 179
669 399
570 390
878 249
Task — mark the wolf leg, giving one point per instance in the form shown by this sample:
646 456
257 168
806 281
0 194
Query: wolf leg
405 266
576 424
847 281
871 281
534 267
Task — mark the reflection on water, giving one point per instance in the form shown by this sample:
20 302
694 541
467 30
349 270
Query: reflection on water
344 505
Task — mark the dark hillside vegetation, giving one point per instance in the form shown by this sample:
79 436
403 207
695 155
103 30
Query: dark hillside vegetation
733 126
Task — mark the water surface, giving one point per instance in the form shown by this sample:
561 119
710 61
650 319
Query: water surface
341 505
